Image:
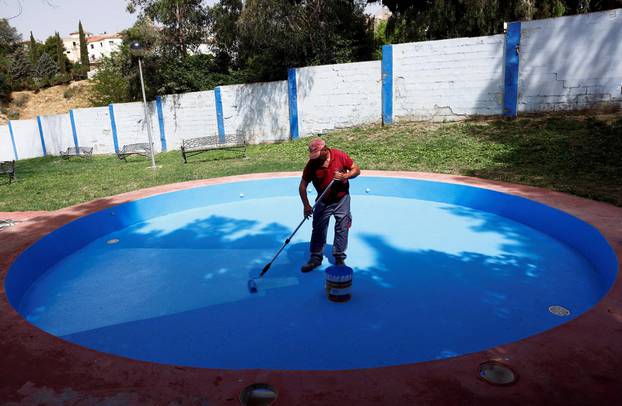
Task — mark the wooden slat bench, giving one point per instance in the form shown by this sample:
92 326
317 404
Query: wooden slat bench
141 148
83 152
8 168
194 146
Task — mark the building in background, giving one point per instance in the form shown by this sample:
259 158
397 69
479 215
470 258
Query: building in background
98 46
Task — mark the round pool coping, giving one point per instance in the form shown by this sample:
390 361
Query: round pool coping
576 363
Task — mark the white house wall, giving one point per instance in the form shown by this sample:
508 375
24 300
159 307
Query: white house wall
571 62
335 96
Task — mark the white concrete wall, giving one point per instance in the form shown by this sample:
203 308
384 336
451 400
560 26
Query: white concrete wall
94 129
27 139
6 146
258 111
571 62
334 96
57 133
188 115
448 79
131 128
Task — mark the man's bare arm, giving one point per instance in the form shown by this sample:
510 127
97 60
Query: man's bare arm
302 190
352 173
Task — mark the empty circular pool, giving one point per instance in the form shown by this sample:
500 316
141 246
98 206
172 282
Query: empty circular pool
440 270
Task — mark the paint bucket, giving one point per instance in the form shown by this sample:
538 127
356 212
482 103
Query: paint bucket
339 283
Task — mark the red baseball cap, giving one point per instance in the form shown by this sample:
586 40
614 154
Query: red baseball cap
315 146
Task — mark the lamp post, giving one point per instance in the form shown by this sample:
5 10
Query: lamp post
137 50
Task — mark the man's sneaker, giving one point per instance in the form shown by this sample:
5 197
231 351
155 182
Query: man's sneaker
309 266
340 261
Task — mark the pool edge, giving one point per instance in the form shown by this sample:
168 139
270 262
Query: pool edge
555 365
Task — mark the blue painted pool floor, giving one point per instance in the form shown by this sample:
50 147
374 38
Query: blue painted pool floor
432 280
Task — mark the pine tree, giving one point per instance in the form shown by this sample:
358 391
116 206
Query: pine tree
84 53
46 70
60 55
34 52
20 69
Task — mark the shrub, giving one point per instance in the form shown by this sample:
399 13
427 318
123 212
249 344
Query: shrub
109 86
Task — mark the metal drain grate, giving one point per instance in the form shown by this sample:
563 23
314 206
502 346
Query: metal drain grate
258 394
6 223
497 373
560 311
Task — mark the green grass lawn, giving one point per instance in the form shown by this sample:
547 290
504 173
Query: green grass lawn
569 153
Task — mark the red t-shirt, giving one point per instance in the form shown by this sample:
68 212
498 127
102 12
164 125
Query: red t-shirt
321 176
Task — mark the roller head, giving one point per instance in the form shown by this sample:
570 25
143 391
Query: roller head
252 286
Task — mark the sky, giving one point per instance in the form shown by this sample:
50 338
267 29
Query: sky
45 17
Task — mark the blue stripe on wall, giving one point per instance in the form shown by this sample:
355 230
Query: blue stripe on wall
292 92
73 128
512 57
113 125
41 135
219 116
161 122
387 84
13 141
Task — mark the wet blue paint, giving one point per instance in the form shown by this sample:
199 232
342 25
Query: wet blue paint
512 60
439 270
387 84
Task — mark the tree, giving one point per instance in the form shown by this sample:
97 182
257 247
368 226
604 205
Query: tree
60 55
34 50
439 19
53 46
8 45
109 84
279 34
5 87
84 53
45 70
20 69
183 22
9 38
225 42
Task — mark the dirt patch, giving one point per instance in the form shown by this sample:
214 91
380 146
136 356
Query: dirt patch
53 100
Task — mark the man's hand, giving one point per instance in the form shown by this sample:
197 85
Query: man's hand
341 176
308 211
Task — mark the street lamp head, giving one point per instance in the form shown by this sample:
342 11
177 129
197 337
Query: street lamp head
137 49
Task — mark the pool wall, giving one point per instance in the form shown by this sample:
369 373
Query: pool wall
579 235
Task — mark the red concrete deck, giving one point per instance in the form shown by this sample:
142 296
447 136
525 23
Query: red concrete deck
578 363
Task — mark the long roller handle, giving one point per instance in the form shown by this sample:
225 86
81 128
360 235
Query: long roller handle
265 269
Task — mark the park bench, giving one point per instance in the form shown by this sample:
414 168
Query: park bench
8 167
141 148
194 146
83 152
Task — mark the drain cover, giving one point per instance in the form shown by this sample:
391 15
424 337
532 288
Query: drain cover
113 241
258 394
496 373
6 223
560 311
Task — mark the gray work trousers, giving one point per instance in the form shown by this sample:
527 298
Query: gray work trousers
343 219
